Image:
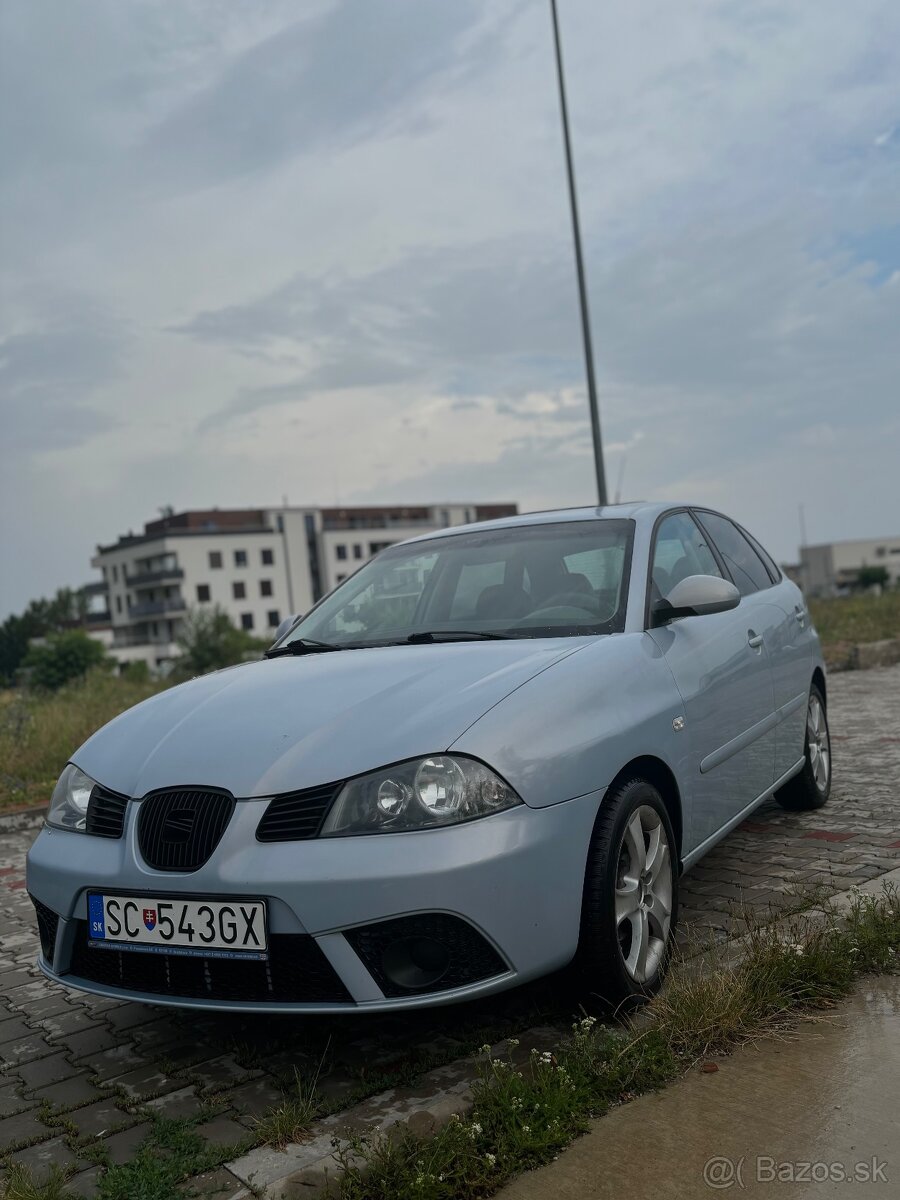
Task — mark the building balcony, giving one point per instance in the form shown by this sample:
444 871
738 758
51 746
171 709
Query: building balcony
150 578
98 618
156 608
97 587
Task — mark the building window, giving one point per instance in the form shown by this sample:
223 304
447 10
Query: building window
115 573
239 590
377 547
265 587
203 593
246 621
240 558
118 604
341 552
880 551
341 578
268 557
215 559
274 618
357 550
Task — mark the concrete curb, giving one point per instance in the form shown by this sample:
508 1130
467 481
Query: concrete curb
306 1169
19 819
863 656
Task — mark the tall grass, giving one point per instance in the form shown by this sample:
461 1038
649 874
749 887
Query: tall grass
39 731
857 618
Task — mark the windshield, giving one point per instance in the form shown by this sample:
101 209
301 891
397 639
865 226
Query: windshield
559 580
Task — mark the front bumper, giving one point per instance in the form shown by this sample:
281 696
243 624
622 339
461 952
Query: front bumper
508 888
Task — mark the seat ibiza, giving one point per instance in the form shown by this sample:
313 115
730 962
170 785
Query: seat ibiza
488 754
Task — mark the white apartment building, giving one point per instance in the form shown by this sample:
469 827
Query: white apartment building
259 565
834 566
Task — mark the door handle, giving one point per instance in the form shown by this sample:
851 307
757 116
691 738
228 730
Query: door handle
754 639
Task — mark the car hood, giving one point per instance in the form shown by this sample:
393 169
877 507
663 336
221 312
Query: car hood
288 723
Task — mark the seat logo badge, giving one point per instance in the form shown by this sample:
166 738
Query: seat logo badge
678 724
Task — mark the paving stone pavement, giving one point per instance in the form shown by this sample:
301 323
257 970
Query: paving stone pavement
76 1071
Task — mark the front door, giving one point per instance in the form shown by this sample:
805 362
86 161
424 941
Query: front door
721 668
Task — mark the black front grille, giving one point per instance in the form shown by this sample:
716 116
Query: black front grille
296 816
471 957
297 971
179 829
105 813
47 921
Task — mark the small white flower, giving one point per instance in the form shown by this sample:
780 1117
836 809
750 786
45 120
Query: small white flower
526 1129
512 1041
491 1160
546 1058
476 1127
485 1049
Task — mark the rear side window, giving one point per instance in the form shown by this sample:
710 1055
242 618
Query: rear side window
771 567
747 568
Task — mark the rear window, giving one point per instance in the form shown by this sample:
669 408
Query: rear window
745 566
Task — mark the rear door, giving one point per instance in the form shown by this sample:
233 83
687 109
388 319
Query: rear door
721 668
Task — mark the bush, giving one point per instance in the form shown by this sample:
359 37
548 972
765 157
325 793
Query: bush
63 657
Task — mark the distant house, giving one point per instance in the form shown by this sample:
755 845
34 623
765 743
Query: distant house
833 567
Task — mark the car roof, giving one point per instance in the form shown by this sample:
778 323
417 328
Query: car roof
634 510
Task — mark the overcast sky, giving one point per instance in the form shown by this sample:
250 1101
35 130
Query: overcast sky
322 250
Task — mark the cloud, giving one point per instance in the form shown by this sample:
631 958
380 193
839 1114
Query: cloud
50 368
256 249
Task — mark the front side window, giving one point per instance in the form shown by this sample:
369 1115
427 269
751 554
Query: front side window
552 580
744 564
681 549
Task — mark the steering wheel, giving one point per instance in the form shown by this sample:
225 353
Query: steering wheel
581 600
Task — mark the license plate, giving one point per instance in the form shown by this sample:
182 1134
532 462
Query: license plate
212 928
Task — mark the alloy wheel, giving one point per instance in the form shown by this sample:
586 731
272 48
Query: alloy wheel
818 744
643 893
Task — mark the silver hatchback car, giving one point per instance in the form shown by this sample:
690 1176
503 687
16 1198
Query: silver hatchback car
488 754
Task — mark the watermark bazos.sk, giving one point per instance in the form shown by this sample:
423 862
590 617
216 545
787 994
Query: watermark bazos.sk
722 1173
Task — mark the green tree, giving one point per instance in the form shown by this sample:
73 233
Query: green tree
208 641
872 576
41 617
64 656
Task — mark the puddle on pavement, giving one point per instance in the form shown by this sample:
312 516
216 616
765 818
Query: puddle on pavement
827 1096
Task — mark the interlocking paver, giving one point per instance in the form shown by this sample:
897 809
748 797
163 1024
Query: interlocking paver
94 1120
25 1127
71 1049
53 1153
66 1093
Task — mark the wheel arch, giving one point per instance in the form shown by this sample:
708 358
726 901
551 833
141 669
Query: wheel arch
660 774
819 680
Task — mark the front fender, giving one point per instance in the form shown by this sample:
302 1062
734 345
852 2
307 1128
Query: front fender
571 729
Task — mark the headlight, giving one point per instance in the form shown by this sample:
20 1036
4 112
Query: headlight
420 794
69 802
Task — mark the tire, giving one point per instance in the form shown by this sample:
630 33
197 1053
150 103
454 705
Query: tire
607 968
811 787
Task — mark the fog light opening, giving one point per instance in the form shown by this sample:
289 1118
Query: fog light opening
415 963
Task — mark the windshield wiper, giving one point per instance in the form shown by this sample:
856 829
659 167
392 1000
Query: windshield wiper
301 646
428 636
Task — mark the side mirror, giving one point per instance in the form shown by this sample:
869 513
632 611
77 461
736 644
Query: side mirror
284 627
696 596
